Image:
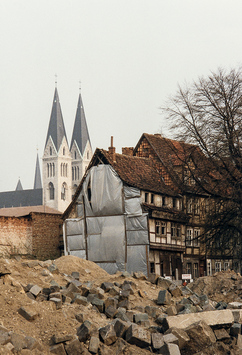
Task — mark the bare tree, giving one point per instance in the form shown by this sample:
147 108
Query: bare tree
209 114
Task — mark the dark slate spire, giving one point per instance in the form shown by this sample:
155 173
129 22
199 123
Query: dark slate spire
37 178
80 131
19 185
56 126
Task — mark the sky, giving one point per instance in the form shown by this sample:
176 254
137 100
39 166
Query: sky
129 55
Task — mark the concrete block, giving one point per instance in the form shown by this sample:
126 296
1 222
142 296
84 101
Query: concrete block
201 336
138 336
164 297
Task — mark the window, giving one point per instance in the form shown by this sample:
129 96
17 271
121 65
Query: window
189 206
196 237
48 170
163 201
226 265
178 230
157 227
173 229
75 155
72 169
78 173
146 197
195 270
64 151
196 206
87 154
163 228
152 198
63 191
152 267
217 266
189 268
209 268
189 237
50 151
53 167
51 191
174 203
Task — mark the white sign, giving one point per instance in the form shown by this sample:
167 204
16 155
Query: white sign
186 276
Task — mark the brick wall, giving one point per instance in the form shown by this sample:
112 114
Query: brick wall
15 236
46 235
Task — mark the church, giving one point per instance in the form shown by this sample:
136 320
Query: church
63 165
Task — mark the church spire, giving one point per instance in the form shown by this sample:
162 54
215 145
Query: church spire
19 186
80 131
56 125
37 178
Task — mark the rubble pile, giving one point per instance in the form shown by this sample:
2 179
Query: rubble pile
71 306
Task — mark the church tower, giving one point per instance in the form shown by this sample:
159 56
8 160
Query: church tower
57 181
81 150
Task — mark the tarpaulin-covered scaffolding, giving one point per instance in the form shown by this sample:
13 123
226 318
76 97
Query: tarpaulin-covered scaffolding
110 228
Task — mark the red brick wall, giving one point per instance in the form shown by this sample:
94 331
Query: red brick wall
46 235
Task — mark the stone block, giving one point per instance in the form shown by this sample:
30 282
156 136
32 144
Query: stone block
139 275
98 303
124 304
30 295
170 338
57 349
175 290
106 286
53 269
108 334
130 314
18 341
219 318
152 278
33 343
222 335
35 290
163 283
97 291
172 311
180 334
110 311
170 349
75 275
80 300
84 331
142 319
121 314
114 291
57 302
235 305
127 287
235 329
201 336
80 317
111 301
164 297
61 338
239 341
4 337
203 300
138 336
74 347
195 300
28 312
55 295
157 341
120 327
153 311
93 345
124 295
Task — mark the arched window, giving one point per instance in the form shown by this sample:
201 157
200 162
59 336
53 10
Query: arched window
53 169
64 151
63 191
87 154
48 170
51 191
66 169
72 173
75 154
78 173
50 151
61 169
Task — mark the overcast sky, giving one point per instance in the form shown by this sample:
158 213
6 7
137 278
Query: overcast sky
130 56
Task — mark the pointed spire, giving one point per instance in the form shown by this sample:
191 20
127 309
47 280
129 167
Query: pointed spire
37 177
80 131
56 125
19 185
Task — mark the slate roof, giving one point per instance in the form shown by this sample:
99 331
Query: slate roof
25 211
21 198
80 131
37 177
56 125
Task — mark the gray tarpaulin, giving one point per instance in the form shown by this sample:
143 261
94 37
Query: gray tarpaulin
116 229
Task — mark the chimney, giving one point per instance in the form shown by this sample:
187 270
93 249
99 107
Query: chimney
111 150
128 151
